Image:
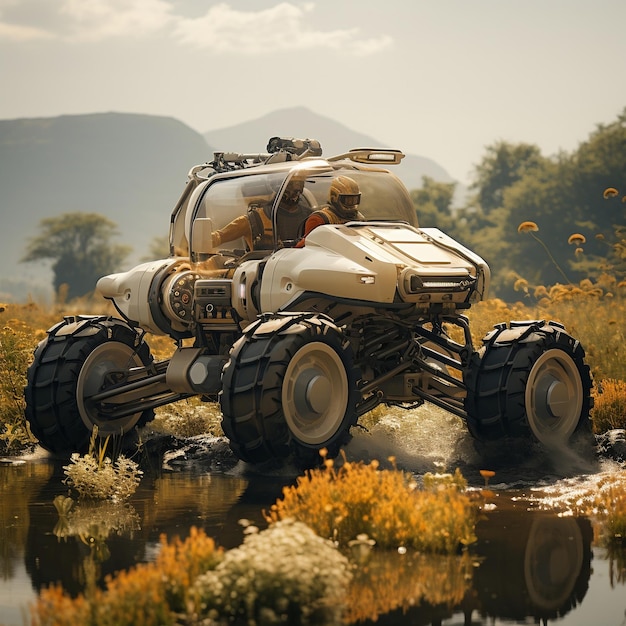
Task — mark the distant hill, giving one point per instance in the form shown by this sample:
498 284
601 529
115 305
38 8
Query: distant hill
130 168
334 137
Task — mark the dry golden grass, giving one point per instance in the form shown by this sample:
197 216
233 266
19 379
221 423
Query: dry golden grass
609 409
189 418
23 326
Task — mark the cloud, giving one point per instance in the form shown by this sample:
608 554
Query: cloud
17 33
280 28
221 29
95 20
19 30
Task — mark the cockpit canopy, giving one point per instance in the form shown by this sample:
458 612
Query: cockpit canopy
219 199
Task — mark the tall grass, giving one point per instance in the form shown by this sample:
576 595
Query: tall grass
593 312
597 319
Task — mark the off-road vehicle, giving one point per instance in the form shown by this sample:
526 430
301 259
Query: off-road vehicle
296 343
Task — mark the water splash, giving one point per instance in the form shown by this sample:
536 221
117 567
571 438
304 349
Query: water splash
430 439
421 440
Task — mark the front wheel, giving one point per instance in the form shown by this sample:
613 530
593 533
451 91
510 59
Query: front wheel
529 381
79 357
289 387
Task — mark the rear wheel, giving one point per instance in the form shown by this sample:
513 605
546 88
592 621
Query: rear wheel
529 381
81 356
289 387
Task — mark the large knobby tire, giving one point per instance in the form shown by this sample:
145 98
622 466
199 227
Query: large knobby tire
79 357
530 382
289 387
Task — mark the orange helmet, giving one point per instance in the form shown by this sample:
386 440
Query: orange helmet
345 194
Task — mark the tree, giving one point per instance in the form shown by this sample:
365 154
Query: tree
546 220
433 202
566 199
79 244
502 166
600 164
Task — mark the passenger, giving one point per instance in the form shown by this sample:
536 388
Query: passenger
344 200
256 226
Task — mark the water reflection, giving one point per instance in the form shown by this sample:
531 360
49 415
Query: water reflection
63 538
92 524
391 585
526 565
534 565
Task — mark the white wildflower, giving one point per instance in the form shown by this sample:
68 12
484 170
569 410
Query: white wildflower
276 573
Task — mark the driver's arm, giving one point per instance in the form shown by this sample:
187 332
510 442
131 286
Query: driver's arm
239 227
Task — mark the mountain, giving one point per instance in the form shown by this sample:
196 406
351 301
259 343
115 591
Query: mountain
334 137
132 169
129 168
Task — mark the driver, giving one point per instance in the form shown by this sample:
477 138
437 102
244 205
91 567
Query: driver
344 200
256 226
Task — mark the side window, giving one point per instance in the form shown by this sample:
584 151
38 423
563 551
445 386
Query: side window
229 202
222 202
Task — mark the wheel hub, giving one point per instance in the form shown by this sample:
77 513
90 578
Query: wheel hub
103 367
315 393
554 397
557 398
312 393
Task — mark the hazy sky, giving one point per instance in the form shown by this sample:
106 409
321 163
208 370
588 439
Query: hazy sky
437 78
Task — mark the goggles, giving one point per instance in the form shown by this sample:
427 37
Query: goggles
349 199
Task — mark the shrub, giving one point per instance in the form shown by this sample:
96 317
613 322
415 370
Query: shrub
285 574
94 475
385 505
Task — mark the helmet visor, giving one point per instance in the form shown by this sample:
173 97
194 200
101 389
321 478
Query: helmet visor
350 199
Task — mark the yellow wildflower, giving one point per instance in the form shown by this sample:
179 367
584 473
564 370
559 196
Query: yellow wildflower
576 238
526 227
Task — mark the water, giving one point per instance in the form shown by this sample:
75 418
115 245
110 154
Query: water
532 563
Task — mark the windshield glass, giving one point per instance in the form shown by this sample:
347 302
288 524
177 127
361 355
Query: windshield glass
383 196
268 210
